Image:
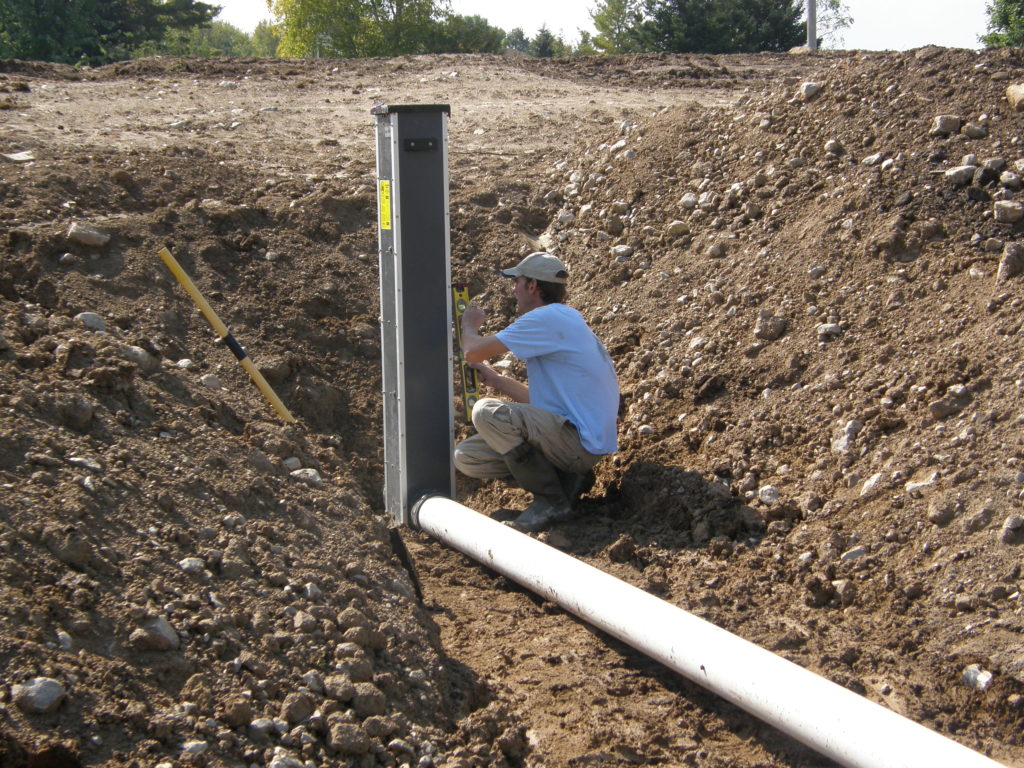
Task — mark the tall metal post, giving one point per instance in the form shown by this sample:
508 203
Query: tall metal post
812 24
415 302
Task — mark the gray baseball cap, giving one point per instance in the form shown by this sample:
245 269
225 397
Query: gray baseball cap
539 266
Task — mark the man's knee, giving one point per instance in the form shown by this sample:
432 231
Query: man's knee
473 459
486 410
460 458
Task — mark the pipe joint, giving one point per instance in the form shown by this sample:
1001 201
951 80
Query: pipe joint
414 510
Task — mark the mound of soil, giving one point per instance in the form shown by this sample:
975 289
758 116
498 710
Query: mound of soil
806 269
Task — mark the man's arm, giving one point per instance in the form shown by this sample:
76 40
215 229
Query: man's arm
477 348
511 388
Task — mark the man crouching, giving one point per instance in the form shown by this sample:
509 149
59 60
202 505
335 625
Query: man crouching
563 420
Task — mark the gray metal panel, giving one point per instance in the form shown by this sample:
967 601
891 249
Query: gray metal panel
386 134
415 278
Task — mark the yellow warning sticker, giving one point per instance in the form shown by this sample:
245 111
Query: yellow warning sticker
384 200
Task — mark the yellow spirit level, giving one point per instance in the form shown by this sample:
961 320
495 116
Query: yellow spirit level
470 380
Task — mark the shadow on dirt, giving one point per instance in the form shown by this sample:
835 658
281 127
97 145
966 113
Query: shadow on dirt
14 754
665 506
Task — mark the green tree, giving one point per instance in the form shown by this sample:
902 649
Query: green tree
629 26
586 45
91 31
1005 24
265 39
545 45
542 46
617 22
465 34
216 39
722 26
47 30
517 40
351 28
127 24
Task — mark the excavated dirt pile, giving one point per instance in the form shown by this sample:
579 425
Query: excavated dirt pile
807 270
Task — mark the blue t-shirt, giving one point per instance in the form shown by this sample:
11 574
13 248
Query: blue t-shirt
569 370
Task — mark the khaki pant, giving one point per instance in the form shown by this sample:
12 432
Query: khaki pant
501 426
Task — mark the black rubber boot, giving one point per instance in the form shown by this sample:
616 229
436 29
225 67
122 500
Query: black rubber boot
575 484
534 473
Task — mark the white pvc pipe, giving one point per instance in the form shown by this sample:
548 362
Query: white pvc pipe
836 722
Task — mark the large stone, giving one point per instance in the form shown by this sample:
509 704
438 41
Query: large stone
944 125
1012 530
917 486
678 228
975 131
352 617
845 590
843 441
809 90
83 235
282 758
834 147
297 707
827 331
309 476
961 174
92 321
368 700
261 727
74 410
955 400
193 566
304 622
348 739
1012 263
147 362
1015 95
192 749
975 677
339 687
237 712
1008 211
770 327
39 696
157 634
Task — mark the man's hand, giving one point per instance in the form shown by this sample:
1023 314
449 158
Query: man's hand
489 377
486 374
477 348
473 318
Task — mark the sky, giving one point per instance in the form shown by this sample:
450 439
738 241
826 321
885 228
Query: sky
877 24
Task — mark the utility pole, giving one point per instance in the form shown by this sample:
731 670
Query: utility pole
812 25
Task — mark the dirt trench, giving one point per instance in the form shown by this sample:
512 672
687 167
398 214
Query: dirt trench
815 328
